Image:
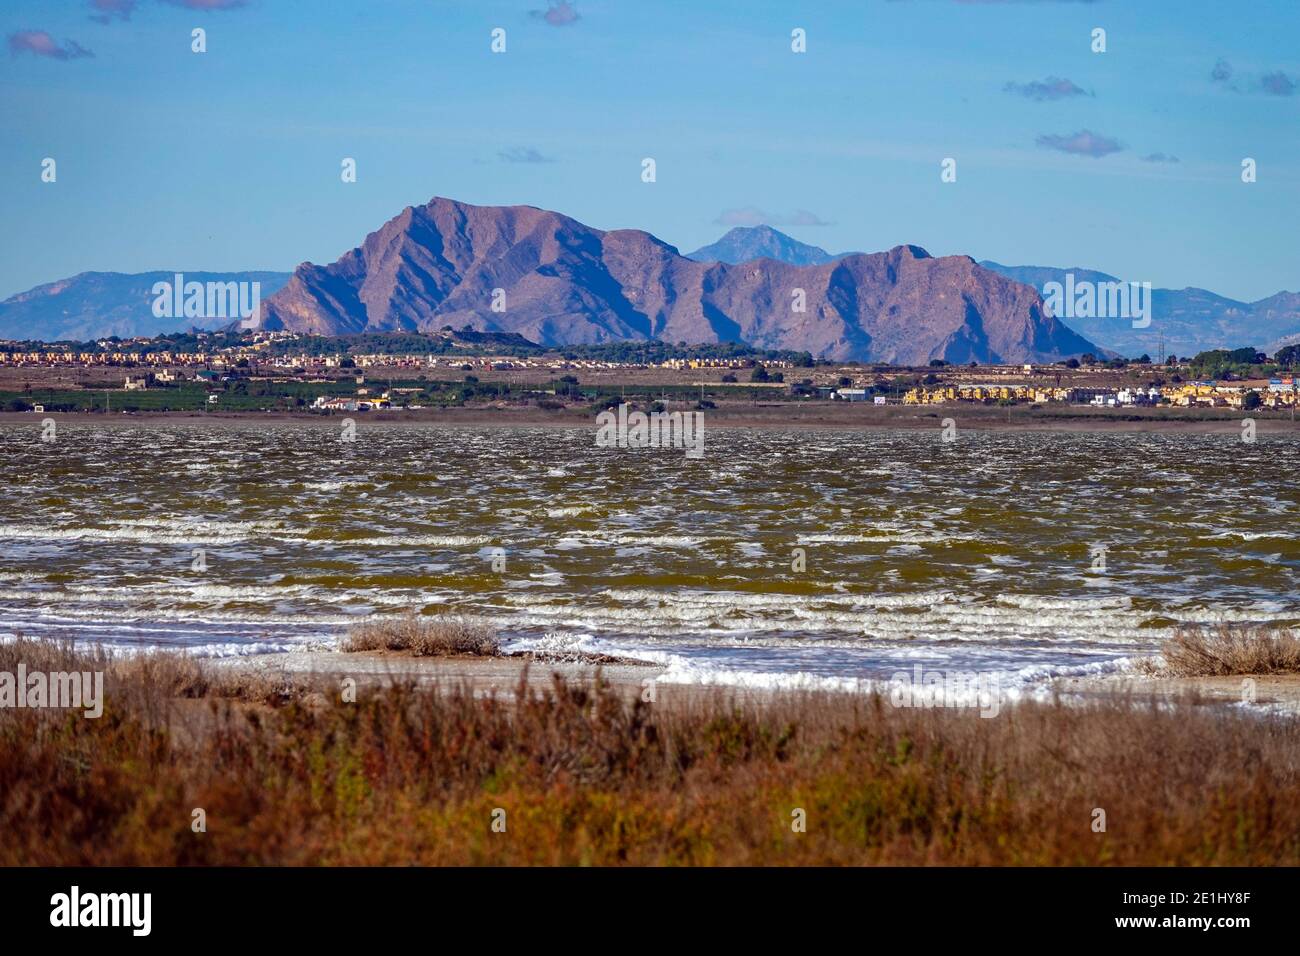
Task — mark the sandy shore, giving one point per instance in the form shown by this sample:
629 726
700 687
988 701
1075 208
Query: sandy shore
1279 692
502 675
481 673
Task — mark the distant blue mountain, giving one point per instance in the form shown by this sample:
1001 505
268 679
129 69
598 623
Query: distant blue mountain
95 305
746 243
1190 320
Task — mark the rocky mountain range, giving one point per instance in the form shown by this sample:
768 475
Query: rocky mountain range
563 282
556 281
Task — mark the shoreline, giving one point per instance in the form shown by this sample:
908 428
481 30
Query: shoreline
785 417
1279 693
502 676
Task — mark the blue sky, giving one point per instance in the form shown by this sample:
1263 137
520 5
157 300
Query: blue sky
230 159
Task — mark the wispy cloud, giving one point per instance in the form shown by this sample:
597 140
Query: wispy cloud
1083 143
1274 83
40 43
1277 83
105 10
1052 88
522 154
753 216
208 4
1160 158
560 14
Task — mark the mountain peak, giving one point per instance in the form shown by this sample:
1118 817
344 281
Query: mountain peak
746 243
911 251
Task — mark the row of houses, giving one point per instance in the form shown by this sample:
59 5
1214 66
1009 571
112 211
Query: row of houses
160 359
255 354
1276 393
137 352
56 357
941 394
729 363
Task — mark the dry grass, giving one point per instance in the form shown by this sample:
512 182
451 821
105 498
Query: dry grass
1227 651
409 775
446 636
147 678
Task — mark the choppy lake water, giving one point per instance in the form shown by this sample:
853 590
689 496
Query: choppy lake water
975 554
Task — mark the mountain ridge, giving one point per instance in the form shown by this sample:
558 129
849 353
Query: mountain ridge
98 304
557 281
